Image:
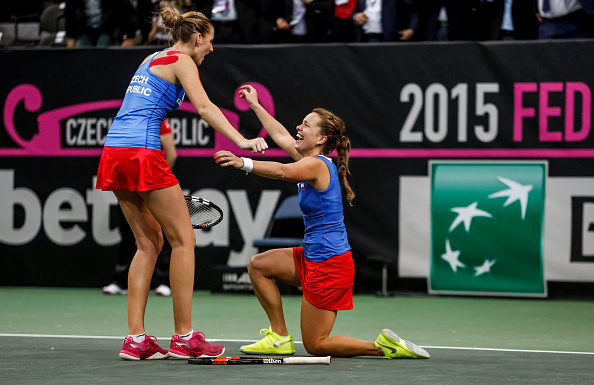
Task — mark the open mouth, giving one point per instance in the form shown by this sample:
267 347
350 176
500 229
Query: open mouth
299 138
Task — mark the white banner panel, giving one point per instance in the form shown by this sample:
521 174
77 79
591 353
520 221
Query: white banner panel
568 229
566 200
413 222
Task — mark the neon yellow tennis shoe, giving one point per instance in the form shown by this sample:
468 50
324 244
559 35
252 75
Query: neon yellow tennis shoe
395 347
271 344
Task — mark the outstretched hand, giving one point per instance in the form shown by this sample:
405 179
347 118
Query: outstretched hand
249 93
226 158
255 145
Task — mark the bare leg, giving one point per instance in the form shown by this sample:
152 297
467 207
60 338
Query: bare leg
169 208
263 268
149 242
316 325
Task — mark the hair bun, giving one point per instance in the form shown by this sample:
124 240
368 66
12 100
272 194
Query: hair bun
180 20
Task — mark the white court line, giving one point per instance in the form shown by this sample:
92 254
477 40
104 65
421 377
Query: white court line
108 337
505 350
297 342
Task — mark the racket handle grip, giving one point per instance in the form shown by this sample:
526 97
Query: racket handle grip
307 360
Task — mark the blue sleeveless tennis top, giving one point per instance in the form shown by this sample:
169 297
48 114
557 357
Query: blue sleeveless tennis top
147 101
325 233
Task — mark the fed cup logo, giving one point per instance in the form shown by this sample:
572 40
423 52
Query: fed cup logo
487 226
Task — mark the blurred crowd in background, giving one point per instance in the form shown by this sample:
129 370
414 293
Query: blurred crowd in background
132 22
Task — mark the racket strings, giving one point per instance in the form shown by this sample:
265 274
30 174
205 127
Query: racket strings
201 214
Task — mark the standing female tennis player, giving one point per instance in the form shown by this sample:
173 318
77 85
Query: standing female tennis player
134 168
324 266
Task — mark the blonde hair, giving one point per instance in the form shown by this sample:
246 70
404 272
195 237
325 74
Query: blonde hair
182 27
333 128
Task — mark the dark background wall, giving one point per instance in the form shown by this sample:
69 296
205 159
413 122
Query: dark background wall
404 105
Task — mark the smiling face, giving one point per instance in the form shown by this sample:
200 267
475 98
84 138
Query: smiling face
309 141
203 46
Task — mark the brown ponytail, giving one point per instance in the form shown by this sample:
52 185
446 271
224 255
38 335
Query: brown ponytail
182 27
333 127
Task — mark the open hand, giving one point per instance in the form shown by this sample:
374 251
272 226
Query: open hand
226 158
249 93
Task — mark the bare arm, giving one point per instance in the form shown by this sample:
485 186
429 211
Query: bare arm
186 72
308 169
168 147
275 129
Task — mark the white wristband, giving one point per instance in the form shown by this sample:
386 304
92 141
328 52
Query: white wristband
248 164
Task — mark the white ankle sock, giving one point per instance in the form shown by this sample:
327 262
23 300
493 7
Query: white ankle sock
137 337
187 336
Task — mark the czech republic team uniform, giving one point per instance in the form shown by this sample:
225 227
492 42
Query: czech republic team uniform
132 158
325 262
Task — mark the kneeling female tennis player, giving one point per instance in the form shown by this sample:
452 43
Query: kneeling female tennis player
324 266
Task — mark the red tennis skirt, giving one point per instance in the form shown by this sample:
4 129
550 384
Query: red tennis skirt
133 169
327 284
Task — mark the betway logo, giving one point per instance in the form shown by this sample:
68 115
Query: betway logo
63 212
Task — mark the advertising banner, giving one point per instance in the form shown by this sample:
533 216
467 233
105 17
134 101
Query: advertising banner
487 228
406 107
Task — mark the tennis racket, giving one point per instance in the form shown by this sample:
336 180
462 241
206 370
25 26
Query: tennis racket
260 361
204 214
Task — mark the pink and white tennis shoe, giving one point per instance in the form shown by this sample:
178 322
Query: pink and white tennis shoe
197 346
145 350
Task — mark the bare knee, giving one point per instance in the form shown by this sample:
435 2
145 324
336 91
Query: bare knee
255 265
151 244
191 239
261 266
185 239
277 264
315 348
159 242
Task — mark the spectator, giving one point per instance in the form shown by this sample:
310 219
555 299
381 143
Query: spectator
144 10
564 19
232 19
306 21
18 8
100 23
158 35
343 27
588 6
433 21
189 6
145 14
458 19
469 19
385 20
266 12
514 20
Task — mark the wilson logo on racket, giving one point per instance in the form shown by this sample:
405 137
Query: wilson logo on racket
261 360
272 360
203 213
